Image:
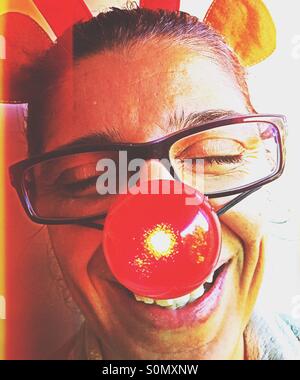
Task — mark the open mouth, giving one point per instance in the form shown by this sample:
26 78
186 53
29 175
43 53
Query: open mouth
201 292
195 307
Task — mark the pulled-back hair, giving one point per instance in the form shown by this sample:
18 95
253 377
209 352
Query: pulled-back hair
118 29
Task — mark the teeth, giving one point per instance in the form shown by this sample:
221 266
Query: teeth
164 303
180 301
210 278
197 293
144 299
175 302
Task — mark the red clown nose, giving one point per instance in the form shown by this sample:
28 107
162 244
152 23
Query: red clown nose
162 245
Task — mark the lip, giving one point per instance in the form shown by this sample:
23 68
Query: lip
195 312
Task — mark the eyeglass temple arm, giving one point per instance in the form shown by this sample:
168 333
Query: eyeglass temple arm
236 200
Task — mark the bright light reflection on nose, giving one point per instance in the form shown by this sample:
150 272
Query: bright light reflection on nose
160 241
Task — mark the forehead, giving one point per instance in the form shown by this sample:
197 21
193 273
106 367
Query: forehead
134 92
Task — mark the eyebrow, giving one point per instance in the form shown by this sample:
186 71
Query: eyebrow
177 122
94 138
193 119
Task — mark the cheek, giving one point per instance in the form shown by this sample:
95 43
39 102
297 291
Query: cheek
247 219
244 229
74 247
245 223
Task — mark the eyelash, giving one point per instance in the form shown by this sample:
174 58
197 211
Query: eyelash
81 185
219 159
223 159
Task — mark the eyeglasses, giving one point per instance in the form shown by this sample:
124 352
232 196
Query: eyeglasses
220 158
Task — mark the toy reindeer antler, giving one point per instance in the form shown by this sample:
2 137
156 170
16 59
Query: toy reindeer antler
30 26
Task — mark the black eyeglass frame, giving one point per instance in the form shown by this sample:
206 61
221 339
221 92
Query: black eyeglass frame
157 149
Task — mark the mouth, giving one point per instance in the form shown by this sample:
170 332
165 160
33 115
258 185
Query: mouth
193 308
199 293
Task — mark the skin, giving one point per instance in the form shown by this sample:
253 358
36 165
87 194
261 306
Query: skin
135 92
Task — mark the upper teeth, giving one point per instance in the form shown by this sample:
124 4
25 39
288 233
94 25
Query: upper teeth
177 302
210 278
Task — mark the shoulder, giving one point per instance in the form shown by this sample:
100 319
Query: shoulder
292 325
272 337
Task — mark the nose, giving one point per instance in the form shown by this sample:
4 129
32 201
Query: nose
159 245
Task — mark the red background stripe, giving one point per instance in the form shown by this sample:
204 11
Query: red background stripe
61 14
164 4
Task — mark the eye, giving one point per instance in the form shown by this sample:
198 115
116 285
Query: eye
81 185
213 165
209 147
80 180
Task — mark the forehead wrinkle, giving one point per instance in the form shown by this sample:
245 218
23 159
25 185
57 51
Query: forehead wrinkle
80 74
138 64
142 102
137 79
135 113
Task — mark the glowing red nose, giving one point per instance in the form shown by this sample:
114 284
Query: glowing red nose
162 245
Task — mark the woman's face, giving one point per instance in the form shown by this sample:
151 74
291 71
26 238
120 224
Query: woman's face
133 94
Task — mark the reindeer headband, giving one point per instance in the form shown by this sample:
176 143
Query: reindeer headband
29 27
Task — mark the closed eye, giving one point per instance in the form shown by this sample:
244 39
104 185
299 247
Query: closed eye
80 185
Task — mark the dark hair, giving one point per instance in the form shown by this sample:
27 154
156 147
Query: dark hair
121 28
